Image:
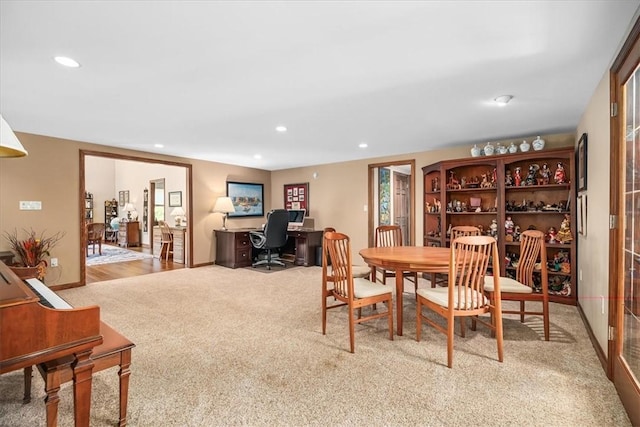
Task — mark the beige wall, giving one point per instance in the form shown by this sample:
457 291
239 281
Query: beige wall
594 246
50 174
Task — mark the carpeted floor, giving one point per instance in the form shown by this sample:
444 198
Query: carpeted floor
223 347
112 254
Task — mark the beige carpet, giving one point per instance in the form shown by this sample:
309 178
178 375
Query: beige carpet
219 347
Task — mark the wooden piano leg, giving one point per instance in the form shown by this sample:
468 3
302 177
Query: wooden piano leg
52 387
124 373
82 371
27 384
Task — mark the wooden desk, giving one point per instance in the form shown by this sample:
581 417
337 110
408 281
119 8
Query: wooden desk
179 240
424 259
129 234
233 247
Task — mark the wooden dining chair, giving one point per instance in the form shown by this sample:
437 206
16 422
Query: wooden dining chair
464 296
391 235
362 271
95 233
355 293
166 240
457 231
533 252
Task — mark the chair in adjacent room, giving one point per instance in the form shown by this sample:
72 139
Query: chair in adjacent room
465 295
95 233
533 257
355 293
391 235
166 240
271 239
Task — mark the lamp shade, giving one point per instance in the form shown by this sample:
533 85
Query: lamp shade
129 207
224 205
177 211
9 144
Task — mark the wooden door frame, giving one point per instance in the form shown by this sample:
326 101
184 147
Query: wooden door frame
624 65
82 188
412 197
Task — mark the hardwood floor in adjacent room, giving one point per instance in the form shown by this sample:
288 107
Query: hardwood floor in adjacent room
119 270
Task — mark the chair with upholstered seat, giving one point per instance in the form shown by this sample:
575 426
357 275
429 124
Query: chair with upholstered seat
355 293
533 254
272 238
391 235
166 240
362 271
464 296
95 233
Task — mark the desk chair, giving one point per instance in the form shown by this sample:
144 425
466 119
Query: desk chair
272 238
95 231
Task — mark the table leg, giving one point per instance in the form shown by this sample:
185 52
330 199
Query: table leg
82 370
399 288
124 373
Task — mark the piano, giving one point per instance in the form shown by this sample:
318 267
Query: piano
34 331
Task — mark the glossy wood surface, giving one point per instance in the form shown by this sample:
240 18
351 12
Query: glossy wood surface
425 259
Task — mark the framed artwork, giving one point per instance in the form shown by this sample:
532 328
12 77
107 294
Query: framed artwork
296 196
175 198
582 214
247 199
581 161
123 198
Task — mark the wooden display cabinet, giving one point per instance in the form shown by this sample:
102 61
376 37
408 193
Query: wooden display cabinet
476 191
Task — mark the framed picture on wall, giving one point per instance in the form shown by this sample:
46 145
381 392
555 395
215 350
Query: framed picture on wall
296 196
175 198
247 199
581 161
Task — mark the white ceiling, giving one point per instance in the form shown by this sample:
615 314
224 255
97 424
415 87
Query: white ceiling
212 79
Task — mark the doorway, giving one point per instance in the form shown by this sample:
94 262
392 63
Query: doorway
392 197
624 265
186 174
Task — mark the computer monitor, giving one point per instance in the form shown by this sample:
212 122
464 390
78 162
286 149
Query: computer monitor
296 217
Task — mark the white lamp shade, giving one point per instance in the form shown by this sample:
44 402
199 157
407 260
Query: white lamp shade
177 211
9 144
129 207
224 205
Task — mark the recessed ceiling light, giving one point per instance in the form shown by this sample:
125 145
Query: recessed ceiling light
158 145
363 145
67 62
503 100
257 156
281 128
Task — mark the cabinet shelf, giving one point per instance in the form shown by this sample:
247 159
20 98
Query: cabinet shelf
496 199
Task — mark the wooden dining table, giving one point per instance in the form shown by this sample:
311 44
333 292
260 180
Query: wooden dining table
421 259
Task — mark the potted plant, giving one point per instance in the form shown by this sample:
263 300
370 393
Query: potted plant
31 252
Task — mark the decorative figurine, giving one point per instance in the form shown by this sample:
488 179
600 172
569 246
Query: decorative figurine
508 226
545 175
435 184
508 178
531 176
517 178
558 176
564 234
551 235
493 228
453 184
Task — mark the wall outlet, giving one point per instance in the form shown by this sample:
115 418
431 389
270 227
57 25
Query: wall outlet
54 262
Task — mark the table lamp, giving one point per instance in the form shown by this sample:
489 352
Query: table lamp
178 213
224 205
128 208
9 144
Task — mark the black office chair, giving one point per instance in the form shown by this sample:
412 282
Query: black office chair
272 238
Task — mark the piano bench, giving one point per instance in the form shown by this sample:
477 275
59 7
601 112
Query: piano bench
115 350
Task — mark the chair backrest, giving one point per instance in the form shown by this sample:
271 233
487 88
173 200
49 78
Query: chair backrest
165 231
388 235
464 230
469 260
95 231
275 229
532 251
339 250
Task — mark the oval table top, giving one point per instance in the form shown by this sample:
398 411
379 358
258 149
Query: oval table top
425 259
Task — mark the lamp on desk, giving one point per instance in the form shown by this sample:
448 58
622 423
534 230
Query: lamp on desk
128 208
178 213
224 205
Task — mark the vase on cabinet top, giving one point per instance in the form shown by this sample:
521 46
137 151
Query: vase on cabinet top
537 144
